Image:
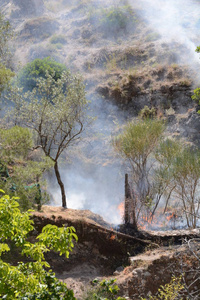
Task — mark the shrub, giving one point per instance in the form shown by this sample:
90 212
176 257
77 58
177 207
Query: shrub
106 289
58 39
170 291
31 280
148 113
114 19
28 76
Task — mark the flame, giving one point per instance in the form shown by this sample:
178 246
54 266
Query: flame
112 238
171 216
158 221
120 208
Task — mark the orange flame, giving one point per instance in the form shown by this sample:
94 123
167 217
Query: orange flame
112 238
120 207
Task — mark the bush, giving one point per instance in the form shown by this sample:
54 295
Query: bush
114 19
104 290
31 280
170 291
148 113
28 76
58 39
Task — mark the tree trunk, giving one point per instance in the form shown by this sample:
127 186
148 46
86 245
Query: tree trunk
129 205
64 204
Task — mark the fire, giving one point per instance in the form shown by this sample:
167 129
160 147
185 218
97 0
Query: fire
158 221
121 209
171 216
112 238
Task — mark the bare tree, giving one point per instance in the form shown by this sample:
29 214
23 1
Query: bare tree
56 112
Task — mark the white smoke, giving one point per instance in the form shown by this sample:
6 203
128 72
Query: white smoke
176 21
102 188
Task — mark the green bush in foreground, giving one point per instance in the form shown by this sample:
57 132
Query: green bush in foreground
31 280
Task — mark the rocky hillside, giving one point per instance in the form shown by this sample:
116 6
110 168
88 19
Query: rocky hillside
130 57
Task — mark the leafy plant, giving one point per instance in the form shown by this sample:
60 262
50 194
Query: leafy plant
27 77
170 291
104 290
148 113
20 174
30 280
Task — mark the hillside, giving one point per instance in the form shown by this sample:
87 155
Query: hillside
128 60
131 54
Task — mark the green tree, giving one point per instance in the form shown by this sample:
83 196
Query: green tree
5 57
136 144
27 77
30 280
180 172
56 112
21 169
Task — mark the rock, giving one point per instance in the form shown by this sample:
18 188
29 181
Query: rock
116 273
120 269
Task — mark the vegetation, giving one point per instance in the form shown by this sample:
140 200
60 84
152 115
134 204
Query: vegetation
21 170
31 280
170 291
5 59
113 19
56 112
160 169
136 144
58 39
106 289
148 113
180 172
27 77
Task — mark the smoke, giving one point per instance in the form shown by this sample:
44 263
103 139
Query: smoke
176 21
96 180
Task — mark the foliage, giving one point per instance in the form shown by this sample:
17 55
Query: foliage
104 290
15 142
6 34
56 112
180 172
24 176
136 144
196 96
116 17
30 280
147 112
5 75
113 19
170 291
58 39
5 56
27 77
